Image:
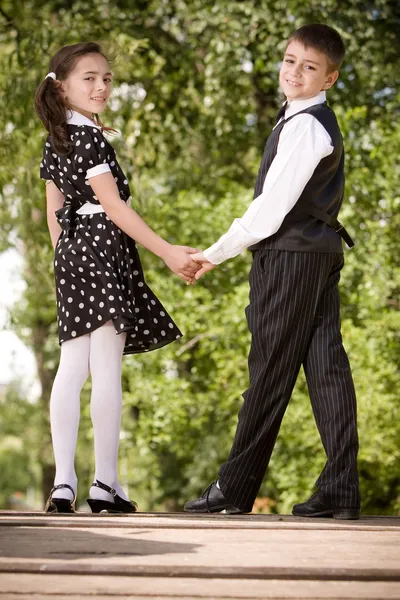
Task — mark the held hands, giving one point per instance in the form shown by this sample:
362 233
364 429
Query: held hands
205 265
188 263
178 259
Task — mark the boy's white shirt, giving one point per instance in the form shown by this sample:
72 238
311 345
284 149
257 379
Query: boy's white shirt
303 143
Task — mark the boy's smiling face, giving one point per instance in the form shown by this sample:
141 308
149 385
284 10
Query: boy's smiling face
305 72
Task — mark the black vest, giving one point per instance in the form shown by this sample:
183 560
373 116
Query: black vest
299 231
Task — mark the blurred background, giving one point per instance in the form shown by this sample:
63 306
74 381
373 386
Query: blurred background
194 100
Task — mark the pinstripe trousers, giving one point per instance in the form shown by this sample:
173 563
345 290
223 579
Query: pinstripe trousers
294 319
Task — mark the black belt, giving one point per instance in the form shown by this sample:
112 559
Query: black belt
331 221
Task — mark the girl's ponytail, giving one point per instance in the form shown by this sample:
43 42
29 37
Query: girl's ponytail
51 110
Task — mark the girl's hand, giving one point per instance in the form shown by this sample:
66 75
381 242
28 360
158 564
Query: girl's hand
178 259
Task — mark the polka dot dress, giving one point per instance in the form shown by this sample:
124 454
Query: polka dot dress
97 268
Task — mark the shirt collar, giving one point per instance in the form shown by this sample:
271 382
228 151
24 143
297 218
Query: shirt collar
76 118
295 106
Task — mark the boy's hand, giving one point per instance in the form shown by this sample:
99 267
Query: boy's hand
205 264
178 259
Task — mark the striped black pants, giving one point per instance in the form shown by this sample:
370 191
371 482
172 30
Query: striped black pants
294 319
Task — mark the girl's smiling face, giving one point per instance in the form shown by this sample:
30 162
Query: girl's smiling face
88 86
305 72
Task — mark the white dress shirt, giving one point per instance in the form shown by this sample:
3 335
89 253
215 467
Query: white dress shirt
303 143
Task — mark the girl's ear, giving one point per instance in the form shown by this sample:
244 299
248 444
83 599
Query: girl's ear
61 88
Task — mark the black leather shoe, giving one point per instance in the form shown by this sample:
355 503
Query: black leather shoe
104 506
212 501
316 506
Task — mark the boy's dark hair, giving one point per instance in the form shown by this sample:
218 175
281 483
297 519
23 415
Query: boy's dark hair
49 104
324 39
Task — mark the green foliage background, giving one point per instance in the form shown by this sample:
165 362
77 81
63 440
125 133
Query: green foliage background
195 96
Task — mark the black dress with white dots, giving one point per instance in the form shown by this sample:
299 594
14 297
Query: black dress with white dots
98 273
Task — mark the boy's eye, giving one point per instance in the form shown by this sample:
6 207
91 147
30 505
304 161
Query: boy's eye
289 60
309 67
88 78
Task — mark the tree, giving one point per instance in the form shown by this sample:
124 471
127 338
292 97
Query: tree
195 99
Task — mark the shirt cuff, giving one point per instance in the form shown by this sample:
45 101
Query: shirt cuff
98 170
213 256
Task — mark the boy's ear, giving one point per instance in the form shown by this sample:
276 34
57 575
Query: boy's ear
330 80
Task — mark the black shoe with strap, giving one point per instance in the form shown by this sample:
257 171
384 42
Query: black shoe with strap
104 506
212 501
60 505
318 506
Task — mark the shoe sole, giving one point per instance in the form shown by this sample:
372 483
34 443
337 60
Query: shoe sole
103 506
348 514
222 511
59 506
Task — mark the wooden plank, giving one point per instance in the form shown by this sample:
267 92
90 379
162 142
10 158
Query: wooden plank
305 553
184 521
192 556
78 587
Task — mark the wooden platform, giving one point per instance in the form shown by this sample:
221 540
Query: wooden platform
149 556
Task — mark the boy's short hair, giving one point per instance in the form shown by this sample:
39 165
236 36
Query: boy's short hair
322 38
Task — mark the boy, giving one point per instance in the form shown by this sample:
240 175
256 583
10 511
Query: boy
294 314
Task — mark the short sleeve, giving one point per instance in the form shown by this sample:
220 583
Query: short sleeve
90 155
44 171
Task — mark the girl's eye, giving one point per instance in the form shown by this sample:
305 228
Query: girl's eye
288 60
88 78
108 80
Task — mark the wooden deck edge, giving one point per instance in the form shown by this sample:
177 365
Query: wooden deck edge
191 516
199 572
182 521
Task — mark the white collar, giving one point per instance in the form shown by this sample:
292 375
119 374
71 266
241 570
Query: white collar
295 106
76 118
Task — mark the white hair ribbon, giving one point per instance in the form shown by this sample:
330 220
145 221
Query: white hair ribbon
52 75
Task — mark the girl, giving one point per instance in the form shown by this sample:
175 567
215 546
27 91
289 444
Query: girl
105 308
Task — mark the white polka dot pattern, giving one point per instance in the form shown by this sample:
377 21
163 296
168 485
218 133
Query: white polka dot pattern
98 272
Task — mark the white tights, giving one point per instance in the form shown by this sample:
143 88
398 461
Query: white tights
99 353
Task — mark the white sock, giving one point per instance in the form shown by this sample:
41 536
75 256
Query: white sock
106 348
72 373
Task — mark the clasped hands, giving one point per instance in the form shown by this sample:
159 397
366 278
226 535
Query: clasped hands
188 263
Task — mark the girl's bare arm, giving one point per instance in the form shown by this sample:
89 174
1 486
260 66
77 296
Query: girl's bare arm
177 258
54 201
